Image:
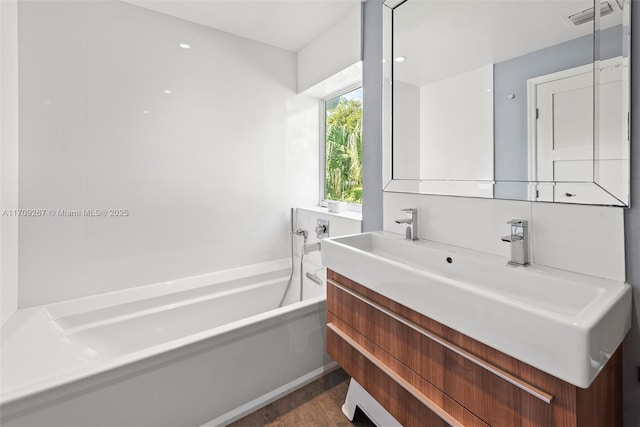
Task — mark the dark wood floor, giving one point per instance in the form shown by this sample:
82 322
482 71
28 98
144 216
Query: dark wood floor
315 405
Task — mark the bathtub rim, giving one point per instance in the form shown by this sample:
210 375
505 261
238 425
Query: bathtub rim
183 345
99 301
43 393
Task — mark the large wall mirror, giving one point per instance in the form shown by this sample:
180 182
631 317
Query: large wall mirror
508 99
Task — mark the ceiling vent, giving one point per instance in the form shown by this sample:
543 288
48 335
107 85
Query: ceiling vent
587 15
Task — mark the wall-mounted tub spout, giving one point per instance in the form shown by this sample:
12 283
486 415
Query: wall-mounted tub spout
311 248
315 279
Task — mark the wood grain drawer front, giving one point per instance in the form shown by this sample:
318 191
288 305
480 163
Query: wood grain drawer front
400 397
495 396
496 401
425 357
401 370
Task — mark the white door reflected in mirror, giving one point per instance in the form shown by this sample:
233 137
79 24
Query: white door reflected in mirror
561 144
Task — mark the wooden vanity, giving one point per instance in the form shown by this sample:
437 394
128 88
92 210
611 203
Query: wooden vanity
426 374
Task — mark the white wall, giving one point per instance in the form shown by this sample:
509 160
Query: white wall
332 51
584 239
8 158
456 127
207 172
406 131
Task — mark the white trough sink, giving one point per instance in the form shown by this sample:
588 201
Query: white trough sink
564 323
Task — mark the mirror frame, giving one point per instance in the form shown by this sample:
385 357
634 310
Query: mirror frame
460 188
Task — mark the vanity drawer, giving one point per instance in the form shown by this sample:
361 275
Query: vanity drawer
493 395
425 357
393 385
494 399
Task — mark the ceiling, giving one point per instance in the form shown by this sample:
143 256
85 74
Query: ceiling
288 24
443 38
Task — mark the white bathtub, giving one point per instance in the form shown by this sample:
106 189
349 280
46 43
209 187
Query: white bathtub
201 350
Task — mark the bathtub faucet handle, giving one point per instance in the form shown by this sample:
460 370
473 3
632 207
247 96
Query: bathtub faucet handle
322 228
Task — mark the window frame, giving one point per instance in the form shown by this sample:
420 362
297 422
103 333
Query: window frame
355 207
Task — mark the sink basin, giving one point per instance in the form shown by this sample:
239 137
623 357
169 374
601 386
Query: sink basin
563 323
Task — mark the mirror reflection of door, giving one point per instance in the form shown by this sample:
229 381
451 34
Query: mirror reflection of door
563 157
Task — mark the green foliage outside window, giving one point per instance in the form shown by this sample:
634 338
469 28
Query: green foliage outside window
343 174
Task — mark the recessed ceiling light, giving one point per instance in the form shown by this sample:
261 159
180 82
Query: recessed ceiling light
145 112
167 91
400 58
185 45
587 15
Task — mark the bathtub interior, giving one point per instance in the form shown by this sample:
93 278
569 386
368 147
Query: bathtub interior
69 316
46 345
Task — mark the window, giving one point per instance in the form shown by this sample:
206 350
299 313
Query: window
343 148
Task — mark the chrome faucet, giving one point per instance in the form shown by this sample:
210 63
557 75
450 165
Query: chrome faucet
411 233
519 241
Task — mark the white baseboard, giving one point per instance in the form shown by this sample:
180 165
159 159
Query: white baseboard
272 396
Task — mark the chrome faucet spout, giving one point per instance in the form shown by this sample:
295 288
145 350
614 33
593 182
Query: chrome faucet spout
311 247
411 232
519 242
